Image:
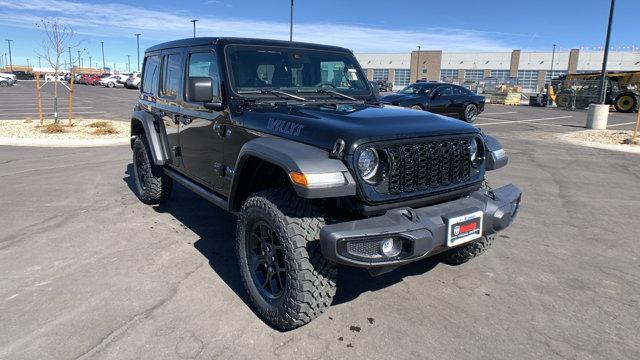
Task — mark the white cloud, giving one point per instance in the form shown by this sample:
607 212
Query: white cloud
118 20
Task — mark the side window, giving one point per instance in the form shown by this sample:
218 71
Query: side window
444 90
151 76
203 64
458 91
171 75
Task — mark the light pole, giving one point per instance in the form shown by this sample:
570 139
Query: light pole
418 64
603 86
103 64
70 60
138 47
194 26
79 59
90 63
10 60
39 65
28 65
553 55
291 23
128 63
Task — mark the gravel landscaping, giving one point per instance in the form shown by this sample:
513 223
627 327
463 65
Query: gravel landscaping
617 137
82 129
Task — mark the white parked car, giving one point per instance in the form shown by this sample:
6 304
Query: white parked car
53 77
6 81
133 82
8 76
110 81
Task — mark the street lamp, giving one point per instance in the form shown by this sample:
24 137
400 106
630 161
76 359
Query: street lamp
194 26
603 87
138 46
418 64
553 55
128 63
103 64
10 60
291 23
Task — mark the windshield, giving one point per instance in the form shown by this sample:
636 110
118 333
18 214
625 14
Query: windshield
294 70
418 88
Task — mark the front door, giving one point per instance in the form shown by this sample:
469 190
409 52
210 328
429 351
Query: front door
440 100
202 131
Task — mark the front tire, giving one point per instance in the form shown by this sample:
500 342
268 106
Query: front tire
111 85
417 107
470 113
626 103
153 186
464 253
288 280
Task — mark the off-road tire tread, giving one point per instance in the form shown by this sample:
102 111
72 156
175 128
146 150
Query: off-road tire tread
312 283
464 253
159 185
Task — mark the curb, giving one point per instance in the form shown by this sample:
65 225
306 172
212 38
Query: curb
591 144
7 141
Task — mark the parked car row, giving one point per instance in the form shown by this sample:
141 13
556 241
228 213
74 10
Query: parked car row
130 81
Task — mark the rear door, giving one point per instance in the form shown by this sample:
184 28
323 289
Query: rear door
202 131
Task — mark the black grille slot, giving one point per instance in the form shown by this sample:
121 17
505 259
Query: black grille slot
428 165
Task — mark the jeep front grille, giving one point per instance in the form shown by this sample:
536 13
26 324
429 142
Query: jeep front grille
428 165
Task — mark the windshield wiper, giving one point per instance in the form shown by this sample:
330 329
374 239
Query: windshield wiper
331 92
272 92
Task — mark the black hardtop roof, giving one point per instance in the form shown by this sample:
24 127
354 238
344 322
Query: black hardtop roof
203 41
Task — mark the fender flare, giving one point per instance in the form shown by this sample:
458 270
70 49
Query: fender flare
294 156
155 133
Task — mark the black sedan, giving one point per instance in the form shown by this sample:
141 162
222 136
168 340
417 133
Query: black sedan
439 98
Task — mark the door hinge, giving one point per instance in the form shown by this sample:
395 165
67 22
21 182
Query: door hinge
177 151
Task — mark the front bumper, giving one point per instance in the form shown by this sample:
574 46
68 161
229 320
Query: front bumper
422 232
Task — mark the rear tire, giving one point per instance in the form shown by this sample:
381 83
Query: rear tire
417 107
288 280
111 85
470 113
464 253
626 103
153 186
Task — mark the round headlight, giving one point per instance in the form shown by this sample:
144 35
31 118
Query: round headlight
475 152
368 163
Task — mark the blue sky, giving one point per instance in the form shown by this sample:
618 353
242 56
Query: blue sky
363 26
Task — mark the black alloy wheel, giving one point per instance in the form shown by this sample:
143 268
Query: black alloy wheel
266 261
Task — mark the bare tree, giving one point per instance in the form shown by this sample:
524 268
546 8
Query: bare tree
56 40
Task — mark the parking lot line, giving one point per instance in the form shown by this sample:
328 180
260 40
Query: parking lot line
75 107
500 113
49 114
627 123
488 118
528 120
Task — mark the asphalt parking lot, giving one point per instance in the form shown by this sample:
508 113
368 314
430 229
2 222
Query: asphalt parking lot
90 272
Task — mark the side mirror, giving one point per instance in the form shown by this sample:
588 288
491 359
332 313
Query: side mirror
205 90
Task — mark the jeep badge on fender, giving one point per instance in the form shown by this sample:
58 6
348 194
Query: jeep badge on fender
291 138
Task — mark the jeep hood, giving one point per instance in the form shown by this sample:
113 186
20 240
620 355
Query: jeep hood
355 124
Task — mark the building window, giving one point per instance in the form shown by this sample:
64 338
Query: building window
474 75
554 75
528 79
402 77
448 74
380 74
500 75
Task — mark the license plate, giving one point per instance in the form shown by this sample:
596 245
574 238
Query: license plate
465 228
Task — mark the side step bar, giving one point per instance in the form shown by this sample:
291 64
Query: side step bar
198 189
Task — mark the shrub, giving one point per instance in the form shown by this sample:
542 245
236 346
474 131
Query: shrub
28 120
53 129
105 130
100 124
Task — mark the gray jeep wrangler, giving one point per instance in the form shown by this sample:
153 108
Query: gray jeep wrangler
290 137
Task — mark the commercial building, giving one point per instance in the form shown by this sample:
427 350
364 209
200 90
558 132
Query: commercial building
531 70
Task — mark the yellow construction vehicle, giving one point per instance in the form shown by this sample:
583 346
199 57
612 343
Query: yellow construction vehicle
580 90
